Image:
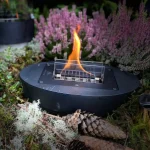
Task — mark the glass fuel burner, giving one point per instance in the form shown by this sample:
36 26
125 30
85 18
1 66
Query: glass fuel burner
94 73
98 89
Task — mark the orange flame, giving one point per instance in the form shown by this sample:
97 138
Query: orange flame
75 55
7 1
17 15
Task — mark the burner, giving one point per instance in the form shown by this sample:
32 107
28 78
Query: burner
61 91
94 73
78 77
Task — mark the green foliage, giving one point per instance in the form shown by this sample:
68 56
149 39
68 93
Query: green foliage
146 78
106 5
109 7
9 56
130 117
11 90
78 8
22 8
16 6
145 1
6 120
45 11
11 62
13 6
36 13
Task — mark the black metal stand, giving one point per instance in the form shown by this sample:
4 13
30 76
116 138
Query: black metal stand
64 97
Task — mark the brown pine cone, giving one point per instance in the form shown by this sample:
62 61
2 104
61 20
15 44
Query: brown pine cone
77 145
90 124
97 144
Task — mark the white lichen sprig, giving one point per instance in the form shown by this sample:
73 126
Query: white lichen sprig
67 132
28 116
50 129
9 56
18 143
34 46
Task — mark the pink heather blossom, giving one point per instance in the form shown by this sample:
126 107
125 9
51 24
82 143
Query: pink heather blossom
118 36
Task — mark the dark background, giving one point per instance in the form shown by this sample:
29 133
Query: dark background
51 4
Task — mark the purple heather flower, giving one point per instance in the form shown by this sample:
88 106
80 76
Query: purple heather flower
118 35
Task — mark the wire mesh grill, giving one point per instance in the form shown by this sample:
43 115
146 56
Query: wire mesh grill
94 71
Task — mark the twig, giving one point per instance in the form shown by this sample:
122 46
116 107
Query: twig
50 115
53 116
145 115
125 143
1 105
55 132
59 141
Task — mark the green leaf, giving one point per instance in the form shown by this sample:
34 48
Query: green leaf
4 96
110 5
9 76
61 6
14 86
1 99
145 1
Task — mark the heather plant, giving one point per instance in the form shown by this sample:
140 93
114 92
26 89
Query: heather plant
129 40
119 38
55 33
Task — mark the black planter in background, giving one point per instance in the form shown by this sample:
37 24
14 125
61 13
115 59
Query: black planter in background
144 101
14 32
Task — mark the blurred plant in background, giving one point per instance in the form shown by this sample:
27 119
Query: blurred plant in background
119 38
14 9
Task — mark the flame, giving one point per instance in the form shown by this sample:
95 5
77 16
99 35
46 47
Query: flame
7 1
17 15
75 55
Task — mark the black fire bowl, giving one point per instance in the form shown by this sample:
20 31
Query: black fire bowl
64 97
17 31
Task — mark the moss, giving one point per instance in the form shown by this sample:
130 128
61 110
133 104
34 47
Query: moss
33 144
6 121
130 116
6 118
9 79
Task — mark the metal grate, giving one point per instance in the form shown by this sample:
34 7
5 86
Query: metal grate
95 71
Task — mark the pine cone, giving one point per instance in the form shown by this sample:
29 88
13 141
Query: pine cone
73 120
77 145
97 144
90 124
